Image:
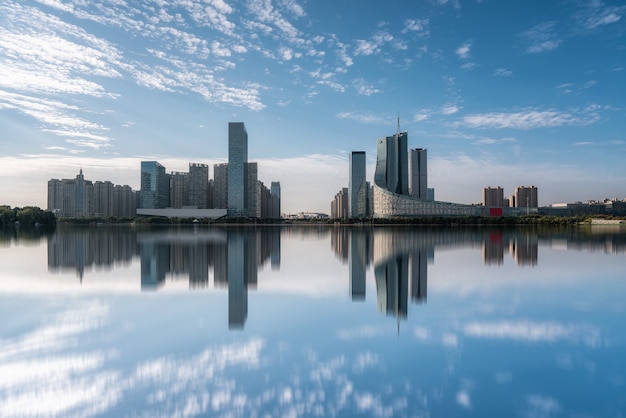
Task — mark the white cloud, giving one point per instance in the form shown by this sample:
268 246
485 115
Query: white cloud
531 119
365 89
541 38
463 52
361 118
419 26
420 117
502 72
596 14
450 109
463 399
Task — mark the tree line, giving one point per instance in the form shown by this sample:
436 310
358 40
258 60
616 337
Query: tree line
28 215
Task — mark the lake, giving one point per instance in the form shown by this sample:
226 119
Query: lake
313 321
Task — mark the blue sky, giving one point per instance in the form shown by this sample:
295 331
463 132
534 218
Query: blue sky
501 93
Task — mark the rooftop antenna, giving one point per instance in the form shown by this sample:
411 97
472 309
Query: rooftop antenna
398 131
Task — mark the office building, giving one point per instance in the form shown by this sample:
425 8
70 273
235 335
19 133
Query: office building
237 167
154 193
418 174
357 187
391 186
274 212
493 197
392 164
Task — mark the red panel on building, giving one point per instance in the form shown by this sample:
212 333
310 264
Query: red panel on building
495 211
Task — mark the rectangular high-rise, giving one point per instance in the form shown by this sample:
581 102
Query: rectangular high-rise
220 186
418 173
357 186
526 197
252 193
275 200
237 167
155 191
198 185
493 197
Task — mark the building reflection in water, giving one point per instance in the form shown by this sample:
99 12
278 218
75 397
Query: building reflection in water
234 256
400 256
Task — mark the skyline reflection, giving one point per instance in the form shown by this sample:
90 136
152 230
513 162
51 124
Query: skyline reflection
232 257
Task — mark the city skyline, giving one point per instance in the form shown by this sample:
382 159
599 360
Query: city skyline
499 94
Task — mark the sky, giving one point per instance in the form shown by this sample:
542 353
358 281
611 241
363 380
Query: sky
500 93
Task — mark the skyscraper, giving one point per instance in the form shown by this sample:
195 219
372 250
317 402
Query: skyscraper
392 164
418 173
154 192
275 200
237 159
357 186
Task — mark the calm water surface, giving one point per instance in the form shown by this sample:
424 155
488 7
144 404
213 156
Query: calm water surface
313 321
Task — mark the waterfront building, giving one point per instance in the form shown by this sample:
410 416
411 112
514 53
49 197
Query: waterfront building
252 191
237 176
339 205
179 189
220 186
493 197
154 192
198 185
392 164
78 197
55 195
103 198
418 174
274 212
391 192
357 187
526 197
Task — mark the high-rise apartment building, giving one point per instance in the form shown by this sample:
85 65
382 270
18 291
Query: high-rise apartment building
55 195
78 197
526 197
103 198
339 205
220 186
179 189
154 192
357 186
493 197
237 176
198 185
392 164
418 173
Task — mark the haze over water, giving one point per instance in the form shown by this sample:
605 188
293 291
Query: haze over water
313 321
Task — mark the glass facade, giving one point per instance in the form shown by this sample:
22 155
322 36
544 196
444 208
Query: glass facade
154 192
357 187
237 159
